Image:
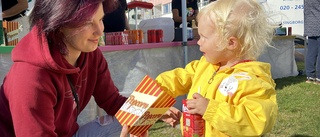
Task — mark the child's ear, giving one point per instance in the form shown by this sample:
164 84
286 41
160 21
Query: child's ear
233 43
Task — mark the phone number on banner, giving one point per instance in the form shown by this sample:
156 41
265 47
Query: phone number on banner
294 7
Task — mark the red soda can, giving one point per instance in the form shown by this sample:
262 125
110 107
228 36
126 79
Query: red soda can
193 125
141 37
151 36
107 38
116 38
154 36
125 38
135 39
159 33
289 31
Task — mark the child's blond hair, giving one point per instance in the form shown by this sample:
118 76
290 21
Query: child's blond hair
243 19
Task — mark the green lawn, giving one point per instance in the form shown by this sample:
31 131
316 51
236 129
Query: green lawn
299 110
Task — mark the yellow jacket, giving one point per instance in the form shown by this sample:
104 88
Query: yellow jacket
242 98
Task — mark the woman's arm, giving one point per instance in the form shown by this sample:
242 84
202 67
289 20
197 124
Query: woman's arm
177 18
16 9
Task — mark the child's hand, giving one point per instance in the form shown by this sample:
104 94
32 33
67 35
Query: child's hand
172 116
197 105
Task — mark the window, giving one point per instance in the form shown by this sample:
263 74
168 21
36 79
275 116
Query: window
166 8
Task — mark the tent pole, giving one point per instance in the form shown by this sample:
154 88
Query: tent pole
136 16
184 31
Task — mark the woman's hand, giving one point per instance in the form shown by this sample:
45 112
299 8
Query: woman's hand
172 116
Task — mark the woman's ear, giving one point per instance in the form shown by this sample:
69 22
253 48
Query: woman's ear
233 43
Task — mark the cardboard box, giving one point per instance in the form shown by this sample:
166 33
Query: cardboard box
144 107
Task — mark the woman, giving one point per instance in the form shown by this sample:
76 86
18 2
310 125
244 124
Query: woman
57 68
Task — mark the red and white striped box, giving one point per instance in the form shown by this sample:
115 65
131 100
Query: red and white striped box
144 107
193 125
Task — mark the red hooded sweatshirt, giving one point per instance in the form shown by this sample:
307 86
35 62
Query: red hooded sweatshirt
36 99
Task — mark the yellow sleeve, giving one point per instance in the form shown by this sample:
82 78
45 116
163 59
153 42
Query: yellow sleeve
178 81
251 111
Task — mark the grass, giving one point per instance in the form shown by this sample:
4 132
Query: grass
299 110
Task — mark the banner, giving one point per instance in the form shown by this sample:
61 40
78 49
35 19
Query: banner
289 13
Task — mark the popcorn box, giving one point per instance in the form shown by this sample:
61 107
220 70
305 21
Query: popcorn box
144 107
193 125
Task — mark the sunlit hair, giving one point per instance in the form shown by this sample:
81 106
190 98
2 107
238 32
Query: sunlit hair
50 15
244 19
